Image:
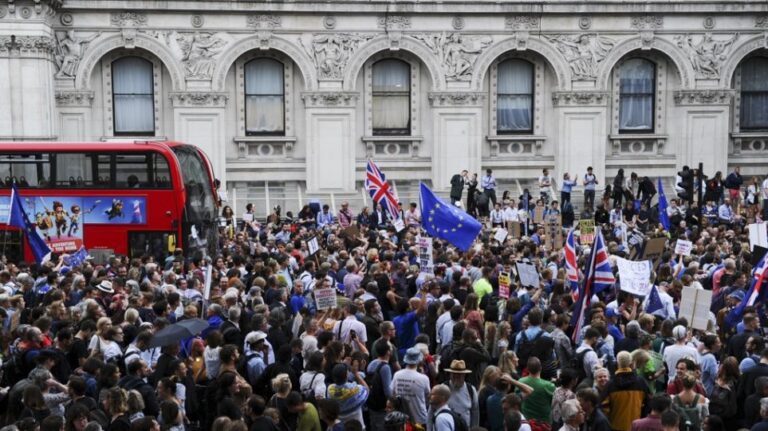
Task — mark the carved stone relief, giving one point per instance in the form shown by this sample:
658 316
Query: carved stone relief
583 52
331 52
264 21
522 22
67 19
457 53
585 22
703 97
648 22
197 21
328 99
761 21
456 99
706 56
329 22
563 98
394 22
74 98
69 51
197 51
458 22
26 45
199 99
128 19
709 22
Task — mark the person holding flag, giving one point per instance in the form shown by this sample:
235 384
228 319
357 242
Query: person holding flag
755 294
599 277
571 264
446 221
380 190
17 217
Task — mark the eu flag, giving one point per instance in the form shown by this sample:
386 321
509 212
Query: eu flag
17 217
663 216
654 301
446 221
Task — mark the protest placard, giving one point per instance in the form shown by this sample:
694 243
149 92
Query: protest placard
683 247
694 307
553 232
247 217
758 235
514 228
586 231
505 281
325 298
635 277
425 255
313 245
500 235
652 251
399 224
538 215
528 274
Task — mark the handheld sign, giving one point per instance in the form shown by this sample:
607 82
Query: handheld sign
683 247
501 235
399 224
758 235
505 281
313 246
425 255
513 227
247 217
694 307
529 277
635 276
325 298
586 231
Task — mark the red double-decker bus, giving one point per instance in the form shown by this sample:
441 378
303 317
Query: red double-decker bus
132 198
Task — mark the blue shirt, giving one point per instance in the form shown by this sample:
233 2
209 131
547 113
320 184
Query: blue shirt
708 366
324 219
407 328
256 367
567 186
385 372
488 182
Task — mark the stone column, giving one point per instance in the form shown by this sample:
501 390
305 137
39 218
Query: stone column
458 134
26 74
582 132
329 132
704 127
199 119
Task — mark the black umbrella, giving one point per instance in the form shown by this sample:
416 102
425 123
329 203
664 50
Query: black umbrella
173 334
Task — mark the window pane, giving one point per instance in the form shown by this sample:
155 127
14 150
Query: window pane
754 110
636 88
131 171
754 74
514 113
25 170
162 175
515 77
391 112
134 114
263 76
264 114
391 76
132 75
636 77
74 169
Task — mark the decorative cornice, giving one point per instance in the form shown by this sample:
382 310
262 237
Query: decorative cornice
761 21
647 22
585 22
26 45
264 21
128 19
703 97
390 22
522 22
456 99
584 98
74 98
199 99
329 99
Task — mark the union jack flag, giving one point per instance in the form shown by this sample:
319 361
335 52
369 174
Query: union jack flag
571 265
599 277
379 189
754 294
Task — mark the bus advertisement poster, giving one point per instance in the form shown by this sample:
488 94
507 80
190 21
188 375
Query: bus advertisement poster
116 210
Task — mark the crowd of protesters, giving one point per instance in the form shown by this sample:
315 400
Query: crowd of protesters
404 349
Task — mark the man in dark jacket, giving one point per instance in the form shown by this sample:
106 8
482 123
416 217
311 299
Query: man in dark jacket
647 190
136 371
595 420
457 185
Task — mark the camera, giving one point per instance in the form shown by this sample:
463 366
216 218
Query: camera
352 334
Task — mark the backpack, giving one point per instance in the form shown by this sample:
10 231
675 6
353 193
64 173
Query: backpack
722 402
309 394
690 418
539 347
577 363
14 368
377 397
458 422
242 364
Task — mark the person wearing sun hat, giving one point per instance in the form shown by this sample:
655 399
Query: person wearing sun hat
412 386
463 398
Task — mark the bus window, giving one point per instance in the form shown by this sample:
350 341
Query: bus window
131 171
26 170
74 170
161 172
104 170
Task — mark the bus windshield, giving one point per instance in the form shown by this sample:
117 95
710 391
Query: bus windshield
201 205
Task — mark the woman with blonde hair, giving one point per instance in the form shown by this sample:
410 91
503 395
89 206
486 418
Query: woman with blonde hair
508 363
281 385
501 344
135 405
116 406
688 398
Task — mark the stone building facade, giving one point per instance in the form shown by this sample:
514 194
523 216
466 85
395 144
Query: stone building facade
290 98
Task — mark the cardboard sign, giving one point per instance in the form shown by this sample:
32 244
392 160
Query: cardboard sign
514 228
652 251
247 217
500 235
425 255
399 224
529 277
586 231
758 235
505 281
694 307
683 247
538 215
635 277
313 246
350 232
325 298
553 232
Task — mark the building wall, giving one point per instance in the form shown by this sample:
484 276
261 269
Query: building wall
55 85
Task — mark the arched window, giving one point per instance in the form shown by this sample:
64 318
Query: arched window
754 94
264 97
637 84
391 97
133 97
514 97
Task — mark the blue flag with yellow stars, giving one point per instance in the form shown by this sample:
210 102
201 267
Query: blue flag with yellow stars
446 221
17 217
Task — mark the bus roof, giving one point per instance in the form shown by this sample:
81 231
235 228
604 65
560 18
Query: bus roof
126 145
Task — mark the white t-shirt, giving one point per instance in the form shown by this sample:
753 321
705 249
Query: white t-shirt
413 388
109 349
674 353
545 183
314 380
510 214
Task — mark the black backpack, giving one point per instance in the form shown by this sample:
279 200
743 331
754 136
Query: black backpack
577 363
458 422
690 418
539 347
242 365
377 397
309 394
